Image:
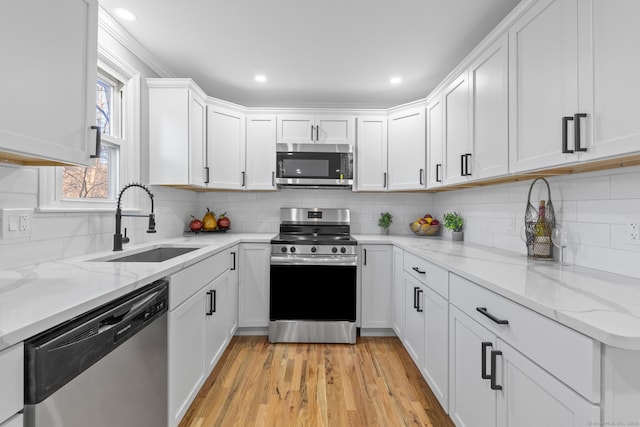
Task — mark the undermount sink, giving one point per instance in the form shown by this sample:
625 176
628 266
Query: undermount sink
157 254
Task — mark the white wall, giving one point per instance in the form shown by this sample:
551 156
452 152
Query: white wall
260 212
592 207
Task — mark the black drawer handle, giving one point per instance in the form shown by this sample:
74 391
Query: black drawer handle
418 308
494 355
483 310
483 371
415 297
417 270
233 254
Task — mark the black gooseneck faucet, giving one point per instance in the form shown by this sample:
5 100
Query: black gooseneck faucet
118 238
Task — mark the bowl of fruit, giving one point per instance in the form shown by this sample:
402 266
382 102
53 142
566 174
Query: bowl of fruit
425 226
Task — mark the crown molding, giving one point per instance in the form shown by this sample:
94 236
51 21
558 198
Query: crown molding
117 31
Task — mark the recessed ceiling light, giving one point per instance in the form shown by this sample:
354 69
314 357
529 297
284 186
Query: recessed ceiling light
260 78
395 80
125 14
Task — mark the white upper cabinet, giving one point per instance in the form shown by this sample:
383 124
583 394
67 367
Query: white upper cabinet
435 140
489 120
609 70
261 152
543 85
316 129
48 74
177 133
371 154
406 161
226 148
457 156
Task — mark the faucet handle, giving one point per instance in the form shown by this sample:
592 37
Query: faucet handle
125 239
152 224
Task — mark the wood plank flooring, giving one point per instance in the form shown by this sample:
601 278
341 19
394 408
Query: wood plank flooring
372 383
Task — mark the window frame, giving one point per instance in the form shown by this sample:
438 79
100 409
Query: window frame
50 178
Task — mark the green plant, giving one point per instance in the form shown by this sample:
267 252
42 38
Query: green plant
453 221
385 220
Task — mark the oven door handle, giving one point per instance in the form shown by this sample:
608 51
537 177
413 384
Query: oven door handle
343 260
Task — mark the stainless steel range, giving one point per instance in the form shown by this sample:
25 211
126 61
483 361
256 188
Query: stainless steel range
313 277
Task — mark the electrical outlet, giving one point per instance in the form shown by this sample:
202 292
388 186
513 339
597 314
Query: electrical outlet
511 222
16 223
633 231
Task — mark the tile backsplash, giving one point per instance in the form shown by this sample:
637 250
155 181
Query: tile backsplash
592 207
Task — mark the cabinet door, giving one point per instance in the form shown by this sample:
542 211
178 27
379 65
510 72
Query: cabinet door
48 73
198 173
253 286
295 129
11 381
436 349
399 306
226 145
489 94
609 70
435 141
456 130
216 310
543 84
335 130
261 153
530 396
406 150
232 299
186 355
376 286
371 154
472 403
414 319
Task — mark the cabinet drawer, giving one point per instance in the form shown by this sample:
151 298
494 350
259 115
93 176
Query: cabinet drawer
568 355
431 275
190 280
11 381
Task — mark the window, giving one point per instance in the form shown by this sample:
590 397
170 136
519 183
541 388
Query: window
94 188
100 181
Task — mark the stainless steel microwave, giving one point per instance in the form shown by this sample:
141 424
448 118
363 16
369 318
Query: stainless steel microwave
314 165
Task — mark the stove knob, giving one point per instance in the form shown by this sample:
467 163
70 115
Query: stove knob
293 249
283 249
314 249
343 249
334 249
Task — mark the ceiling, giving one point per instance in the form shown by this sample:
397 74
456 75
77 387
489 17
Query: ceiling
314 53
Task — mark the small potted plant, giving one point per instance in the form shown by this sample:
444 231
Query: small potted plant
453 221
385 221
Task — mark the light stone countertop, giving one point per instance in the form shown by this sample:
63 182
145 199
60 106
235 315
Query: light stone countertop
601 305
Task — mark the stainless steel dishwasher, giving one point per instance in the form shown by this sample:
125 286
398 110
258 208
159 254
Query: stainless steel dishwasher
107 367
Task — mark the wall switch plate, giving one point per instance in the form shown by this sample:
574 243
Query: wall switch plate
16 223
632 231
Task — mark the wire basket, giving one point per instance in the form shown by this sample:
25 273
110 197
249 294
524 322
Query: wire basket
538 239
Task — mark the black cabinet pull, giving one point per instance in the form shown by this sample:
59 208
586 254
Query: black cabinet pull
466 164
576 132
421 176
483 368
206 174
483 310
565 124
233 255
462 165
273 178
418 309
312 132
244 175
212 302
494 355
415 297
364 252
417 270
98 142
438 167
384 182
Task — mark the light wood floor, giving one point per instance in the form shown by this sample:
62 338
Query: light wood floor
372 383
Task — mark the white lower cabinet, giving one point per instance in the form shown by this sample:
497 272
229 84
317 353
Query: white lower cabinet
216 327
11 384
376 286
413 337
435 365
397 316
232 318
253 286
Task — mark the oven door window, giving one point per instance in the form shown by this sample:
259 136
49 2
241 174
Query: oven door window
309 292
